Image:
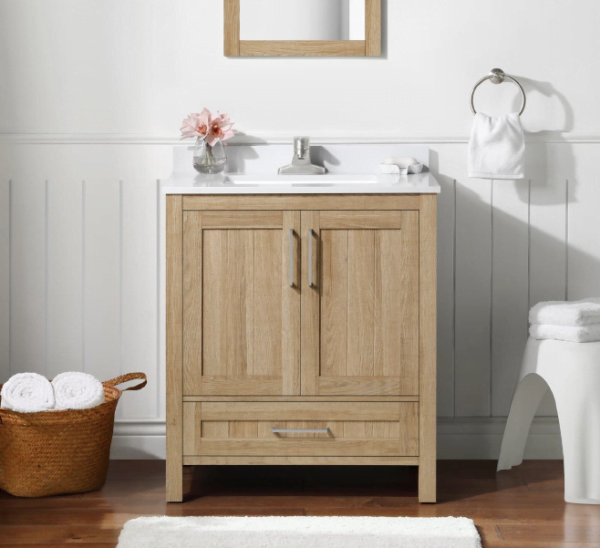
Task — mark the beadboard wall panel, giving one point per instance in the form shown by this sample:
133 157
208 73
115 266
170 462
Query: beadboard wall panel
472 297
4 279
510 287
79 279
28 257
64 278
102 277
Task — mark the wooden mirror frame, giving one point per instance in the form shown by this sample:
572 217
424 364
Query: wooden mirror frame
370 47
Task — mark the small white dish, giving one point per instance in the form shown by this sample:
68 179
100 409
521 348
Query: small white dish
415 168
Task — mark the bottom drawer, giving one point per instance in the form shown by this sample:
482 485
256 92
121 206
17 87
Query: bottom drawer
374 429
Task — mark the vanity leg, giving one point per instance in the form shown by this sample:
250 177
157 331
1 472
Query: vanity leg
428 352
174 354
427 482
174 482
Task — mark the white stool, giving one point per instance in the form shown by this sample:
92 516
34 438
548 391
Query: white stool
572 372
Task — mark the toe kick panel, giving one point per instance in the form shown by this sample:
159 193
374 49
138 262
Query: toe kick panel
301 429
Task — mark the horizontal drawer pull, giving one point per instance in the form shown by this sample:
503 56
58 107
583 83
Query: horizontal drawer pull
300 430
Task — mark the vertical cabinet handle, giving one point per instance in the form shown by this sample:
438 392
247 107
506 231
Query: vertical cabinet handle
310 257
291 257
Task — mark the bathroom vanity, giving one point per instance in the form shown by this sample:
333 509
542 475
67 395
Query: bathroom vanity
301 315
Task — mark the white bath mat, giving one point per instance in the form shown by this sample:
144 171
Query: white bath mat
299 532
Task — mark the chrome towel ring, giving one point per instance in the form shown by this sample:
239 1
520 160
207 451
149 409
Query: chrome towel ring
497 76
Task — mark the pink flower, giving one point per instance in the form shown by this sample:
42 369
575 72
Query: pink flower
219 129
196 125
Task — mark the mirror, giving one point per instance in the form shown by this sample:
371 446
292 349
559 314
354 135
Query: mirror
302 28
302 20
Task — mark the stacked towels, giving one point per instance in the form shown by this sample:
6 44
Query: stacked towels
576 321
32 393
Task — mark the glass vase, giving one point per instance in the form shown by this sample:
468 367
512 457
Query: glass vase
209 159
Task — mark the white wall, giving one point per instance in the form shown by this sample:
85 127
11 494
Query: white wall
91 96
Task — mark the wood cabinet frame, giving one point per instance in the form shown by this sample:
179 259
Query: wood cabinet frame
234 47
425 205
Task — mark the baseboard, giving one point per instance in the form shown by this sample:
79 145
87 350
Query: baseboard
458 438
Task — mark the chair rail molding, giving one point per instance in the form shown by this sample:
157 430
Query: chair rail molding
267 138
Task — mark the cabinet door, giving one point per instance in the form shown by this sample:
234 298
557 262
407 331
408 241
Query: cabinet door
360 303
241 303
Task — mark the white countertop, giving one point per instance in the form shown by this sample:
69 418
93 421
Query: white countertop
335 183
351 169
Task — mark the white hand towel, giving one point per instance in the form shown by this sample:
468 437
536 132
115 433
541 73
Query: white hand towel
588 333
573 313
497 147
77 390
27 393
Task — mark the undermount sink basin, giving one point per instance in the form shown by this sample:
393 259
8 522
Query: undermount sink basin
299 180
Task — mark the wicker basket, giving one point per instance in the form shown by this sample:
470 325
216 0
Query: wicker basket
59 452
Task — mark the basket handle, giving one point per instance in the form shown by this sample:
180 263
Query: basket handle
128 377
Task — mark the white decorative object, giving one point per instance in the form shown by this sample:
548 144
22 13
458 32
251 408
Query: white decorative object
299 532
399 165
572 372
27 393
77 390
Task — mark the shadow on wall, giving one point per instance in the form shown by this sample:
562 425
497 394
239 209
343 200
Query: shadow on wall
537 161
536 261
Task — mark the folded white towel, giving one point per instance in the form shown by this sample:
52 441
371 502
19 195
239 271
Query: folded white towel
497 147
588 333
27 393
572 313
77 390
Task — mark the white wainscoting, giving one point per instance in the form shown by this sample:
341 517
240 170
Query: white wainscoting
79 277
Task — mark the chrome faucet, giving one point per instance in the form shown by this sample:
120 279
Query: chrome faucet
301 164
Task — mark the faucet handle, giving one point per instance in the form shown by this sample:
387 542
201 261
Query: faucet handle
301 147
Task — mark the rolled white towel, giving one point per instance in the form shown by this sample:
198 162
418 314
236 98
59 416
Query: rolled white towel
571 313
27 393
588 333
77 390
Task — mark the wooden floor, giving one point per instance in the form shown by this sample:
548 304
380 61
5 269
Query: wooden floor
523 508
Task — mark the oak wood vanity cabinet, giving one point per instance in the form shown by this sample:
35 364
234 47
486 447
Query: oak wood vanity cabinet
301 329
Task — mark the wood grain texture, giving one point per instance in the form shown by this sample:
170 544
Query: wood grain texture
244 429
303 202
302 398
300 461
245 292
193 254
524 505
365 304
174 379
242 318
428 351
237 219
290 303
290 411
302 48
361 219
372 28
231 30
